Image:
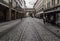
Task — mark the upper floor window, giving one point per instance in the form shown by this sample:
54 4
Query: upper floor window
53 2
48 5
58 1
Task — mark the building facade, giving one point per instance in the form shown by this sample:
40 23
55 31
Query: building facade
50 10
39 5
11 9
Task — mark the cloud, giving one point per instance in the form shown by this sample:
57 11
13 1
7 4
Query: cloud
30 3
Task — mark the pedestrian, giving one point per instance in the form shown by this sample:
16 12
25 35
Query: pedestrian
21 18
52 19
44 20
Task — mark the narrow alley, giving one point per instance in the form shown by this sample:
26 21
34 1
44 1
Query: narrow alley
29 29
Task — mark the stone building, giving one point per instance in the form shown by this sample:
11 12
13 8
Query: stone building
39 5
50 9
11 9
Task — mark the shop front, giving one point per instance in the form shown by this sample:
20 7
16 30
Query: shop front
52 17
58 18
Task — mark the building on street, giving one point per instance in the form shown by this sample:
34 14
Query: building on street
48 9
11 9
18 23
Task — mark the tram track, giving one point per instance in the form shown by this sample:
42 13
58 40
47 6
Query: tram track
32 31
52 32
37 35
44 26
22 34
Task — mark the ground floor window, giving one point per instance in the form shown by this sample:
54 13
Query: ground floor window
58 18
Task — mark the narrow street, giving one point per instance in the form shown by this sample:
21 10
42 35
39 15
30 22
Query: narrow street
29 29
29 20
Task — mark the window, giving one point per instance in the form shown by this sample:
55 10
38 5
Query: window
48 5
58 18
53 2
57 1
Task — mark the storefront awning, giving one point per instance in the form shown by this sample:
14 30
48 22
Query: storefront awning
52 11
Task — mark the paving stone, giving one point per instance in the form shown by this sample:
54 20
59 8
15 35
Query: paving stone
30 29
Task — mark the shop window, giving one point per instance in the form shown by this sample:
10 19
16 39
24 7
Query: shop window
58 18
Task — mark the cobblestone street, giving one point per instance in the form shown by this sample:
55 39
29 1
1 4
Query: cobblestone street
29 29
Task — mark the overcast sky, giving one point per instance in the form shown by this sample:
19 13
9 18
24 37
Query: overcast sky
30 3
